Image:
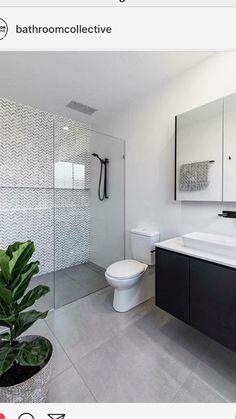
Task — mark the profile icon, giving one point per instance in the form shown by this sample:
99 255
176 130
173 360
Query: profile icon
3 34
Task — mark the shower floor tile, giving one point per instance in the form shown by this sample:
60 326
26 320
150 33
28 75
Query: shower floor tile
76 282
71 284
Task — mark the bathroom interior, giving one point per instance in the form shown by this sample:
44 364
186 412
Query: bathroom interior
120 166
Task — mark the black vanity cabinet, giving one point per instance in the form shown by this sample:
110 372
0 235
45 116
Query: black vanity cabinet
172 273
213 301
201 293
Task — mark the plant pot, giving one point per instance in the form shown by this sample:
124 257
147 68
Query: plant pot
32 390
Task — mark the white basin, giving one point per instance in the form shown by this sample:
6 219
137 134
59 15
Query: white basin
211 243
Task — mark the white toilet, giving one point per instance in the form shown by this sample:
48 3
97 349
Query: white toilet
126 276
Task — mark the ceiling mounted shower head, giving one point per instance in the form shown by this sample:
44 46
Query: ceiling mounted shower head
80 107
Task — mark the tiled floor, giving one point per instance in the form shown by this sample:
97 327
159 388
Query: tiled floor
70 284
144 355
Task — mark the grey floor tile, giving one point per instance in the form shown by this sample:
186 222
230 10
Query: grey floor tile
80 327
79 272
119 372
167 362
83 326
195 390
90 279
96 268
142 355
68 387
218 369
67 290
60 360
95 283
178 340
46 302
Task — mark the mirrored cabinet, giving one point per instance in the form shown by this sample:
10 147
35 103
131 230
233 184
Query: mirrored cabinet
205 162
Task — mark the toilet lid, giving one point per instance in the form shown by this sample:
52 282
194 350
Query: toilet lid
126 269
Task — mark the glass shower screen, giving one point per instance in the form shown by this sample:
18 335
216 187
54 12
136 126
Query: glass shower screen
89 233
49 194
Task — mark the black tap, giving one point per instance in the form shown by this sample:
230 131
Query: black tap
228 214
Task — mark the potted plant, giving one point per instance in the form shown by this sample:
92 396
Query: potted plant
25 366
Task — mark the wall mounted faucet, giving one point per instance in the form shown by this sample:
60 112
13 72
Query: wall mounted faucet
228 214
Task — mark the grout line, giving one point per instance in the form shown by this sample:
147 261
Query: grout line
181 386
55 337
85 383
73 366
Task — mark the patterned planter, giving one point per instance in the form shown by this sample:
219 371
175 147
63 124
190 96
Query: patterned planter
33 390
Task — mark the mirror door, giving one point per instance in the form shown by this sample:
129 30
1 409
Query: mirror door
229 150
199 153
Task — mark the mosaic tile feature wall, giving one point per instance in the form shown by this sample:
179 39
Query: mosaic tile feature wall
72 228
27 214
58 220
26 146
72 204
72 144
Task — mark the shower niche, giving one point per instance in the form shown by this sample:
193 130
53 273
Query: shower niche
205 162
49 194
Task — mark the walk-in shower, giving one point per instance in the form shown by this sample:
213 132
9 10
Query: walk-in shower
49 193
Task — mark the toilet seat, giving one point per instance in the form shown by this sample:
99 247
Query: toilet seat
126 269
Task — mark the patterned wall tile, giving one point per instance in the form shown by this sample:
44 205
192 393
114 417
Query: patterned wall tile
26 146
27 214
72 144
72 228
72 207
58 221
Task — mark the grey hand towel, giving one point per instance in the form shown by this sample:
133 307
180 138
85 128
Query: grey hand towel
194 176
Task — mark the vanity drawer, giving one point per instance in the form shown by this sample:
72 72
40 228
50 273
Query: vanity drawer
172 283
213 301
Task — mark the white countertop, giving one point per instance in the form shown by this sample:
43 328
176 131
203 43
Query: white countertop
176 245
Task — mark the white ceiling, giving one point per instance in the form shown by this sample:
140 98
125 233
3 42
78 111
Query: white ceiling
103 80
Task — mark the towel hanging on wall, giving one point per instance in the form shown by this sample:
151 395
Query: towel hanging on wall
194 176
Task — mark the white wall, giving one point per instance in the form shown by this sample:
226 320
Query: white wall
147 124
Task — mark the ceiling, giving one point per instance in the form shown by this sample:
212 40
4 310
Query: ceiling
103 80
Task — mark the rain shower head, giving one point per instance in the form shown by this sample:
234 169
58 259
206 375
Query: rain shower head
80 107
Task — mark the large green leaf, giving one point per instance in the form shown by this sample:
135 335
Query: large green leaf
32 296
2 279
4 309
20 257
6 297
27 319
3 324
12 248
8 320
34 353
4 337
4 266
24 280
8 355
